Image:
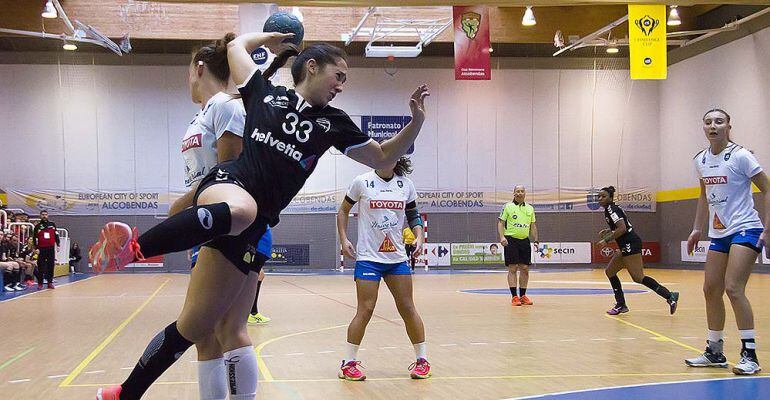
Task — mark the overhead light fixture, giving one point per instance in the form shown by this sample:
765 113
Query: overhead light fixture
612 48
69 46
673 17
529 17
49 11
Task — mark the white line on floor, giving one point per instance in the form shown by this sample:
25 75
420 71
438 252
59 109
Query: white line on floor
57 376
20 381
448 344
326 352
296 354
95 372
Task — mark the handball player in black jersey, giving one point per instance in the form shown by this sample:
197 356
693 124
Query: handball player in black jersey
286 132
630 255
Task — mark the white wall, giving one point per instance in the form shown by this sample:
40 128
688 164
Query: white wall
734 77
119 128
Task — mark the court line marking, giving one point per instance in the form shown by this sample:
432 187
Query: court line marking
268 377
539 396
83 364
16 357
453 378
45 291
20 381
662 338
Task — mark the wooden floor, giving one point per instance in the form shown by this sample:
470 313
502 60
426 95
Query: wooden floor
65 343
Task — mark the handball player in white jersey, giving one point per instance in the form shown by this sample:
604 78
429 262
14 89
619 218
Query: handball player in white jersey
726 172
386 198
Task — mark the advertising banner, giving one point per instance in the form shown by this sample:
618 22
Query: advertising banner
471 28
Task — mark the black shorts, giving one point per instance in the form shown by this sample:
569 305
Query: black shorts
518 251
630 247
240 250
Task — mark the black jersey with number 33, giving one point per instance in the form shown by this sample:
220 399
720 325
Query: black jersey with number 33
283 138
612 214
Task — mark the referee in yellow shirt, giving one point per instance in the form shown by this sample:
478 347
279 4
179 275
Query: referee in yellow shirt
515 226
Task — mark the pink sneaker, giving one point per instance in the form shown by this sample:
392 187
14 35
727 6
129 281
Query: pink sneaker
116 248
617 309
349 371
110 393
420 369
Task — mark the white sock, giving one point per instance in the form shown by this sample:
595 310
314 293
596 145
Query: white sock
351 351
212 379
242 373
747 334
420 350
716 336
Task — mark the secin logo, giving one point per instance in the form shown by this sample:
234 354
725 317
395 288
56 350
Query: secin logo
259 56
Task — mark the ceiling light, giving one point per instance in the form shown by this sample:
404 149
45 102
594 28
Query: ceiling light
612 48
49 11
69 46
673 17
529 17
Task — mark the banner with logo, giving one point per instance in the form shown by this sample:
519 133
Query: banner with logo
87 202
647 41
603 254
152 262
471 28
438 254
699 255
383 127
476 253
290 255
562 253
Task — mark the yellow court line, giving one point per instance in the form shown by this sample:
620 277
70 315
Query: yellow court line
16 357
83 364
261 363
661 337
454 378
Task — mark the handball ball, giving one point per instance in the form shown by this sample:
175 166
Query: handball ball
284 22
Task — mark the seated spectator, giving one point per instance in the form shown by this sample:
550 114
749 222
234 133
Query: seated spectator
11 269
74 256
23 256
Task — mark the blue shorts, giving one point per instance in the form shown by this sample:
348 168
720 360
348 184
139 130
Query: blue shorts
748 238
373 271
264 248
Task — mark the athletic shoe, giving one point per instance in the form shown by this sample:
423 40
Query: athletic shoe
747 366
116 248
258 319
618 309
9 288
708 359
350 372
516 301
110 393
673 301
526 301
51 286
39 286
20 287
420 369
29 282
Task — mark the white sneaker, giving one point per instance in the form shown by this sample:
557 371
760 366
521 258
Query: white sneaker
20 287
747 366
9 288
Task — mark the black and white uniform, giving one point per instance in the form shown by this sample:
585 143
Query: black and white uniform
630 243
283 138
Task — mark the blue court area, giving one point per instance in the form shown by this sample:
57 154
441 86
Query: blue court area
554 291
739 388
60 281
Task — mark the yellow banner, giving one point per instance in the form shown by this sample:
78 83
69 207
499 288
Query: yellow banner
647 41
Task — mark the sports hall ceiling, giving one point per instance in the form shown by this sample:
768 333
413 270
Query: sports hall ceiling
174 27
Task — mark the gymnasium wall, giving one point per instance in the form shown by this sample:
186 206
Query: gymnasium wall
734 77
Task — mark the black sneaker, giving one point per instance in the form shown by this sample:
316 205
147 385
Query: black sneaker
673 301
708 359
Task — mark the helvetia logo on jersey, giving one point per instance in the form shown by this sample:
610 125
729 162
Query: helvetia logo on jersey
386 204
191 142
714 180
285 148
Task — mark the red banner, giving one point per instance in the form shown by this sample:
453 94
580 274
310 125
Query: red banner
471 25
603 254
